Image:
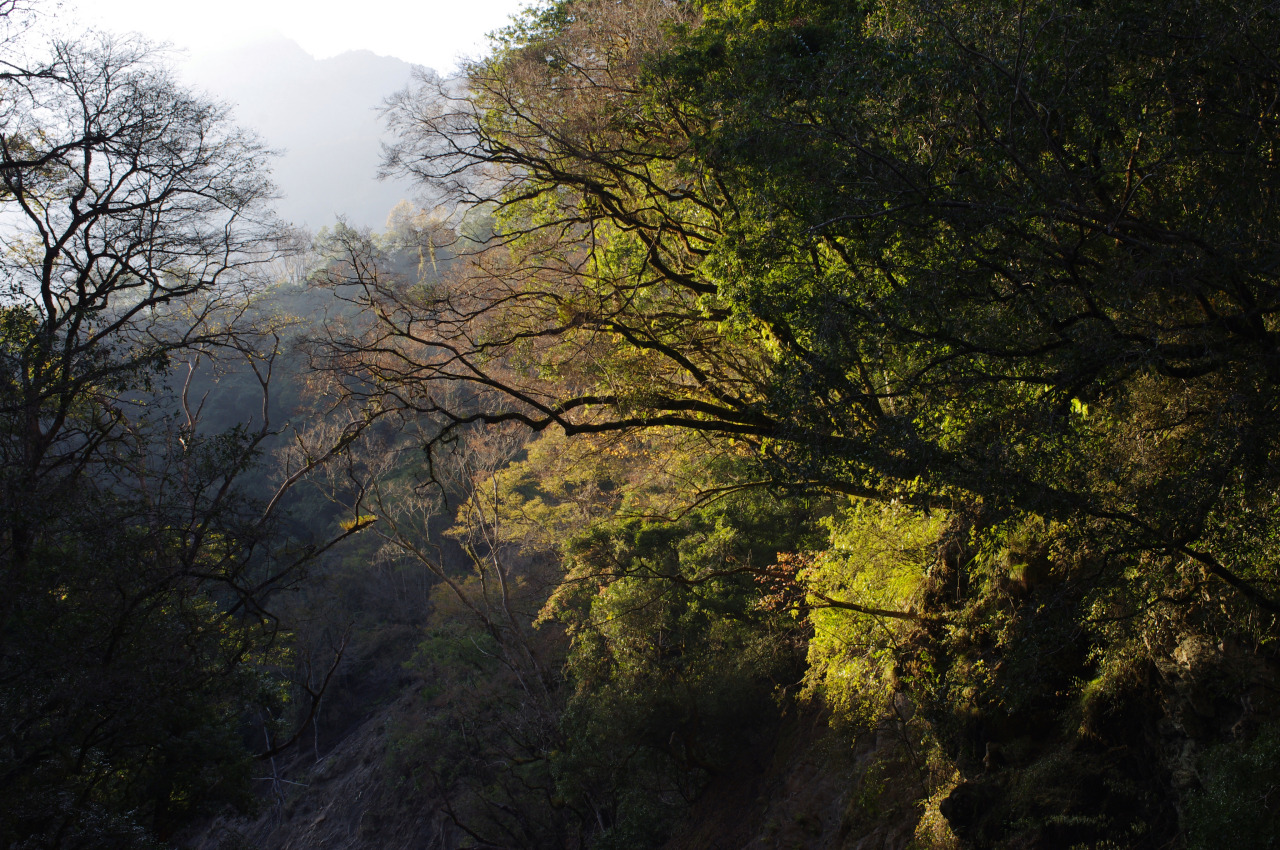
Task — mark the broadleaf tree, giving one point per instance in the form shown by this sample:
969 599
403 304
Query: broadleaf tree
907 253
1012 267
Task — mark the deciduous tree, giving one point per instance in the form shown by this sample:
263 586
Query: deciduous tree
134 624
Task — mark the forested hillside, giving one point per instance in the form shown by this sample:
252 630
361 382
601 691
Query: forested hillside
801 424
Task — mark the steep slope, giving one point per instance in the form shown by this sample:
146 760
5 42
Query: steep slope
342 801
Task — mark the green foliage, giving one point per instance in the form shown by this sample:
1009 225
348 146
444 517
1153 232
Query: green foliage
675 665
481 740
1004 274
127 687
1238 804
877 559
931 276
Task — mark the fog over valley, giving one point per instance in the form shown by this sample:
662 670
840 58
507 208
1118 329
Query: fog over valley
322 115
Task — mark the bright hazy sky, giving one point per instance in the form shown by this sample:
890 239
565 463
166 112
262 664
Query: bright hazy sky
426 32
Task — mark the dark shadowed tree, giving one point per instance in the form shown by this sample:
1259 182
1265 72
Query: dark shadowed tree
135 636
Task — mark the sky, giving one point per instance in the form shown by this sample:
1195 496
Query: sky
435 33
235 50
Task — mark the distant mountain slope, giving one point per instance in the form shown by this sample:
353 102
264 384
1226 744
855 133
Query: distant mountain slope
323 113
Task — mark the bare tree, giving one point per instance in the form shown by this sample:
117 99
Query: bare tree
134 217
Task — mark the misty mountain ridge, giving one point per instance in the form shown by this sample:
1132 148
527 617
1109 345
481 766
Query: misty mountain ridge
322 115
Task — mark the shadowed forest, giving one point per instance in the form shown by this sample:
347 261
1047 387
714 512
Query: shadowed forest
799 424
